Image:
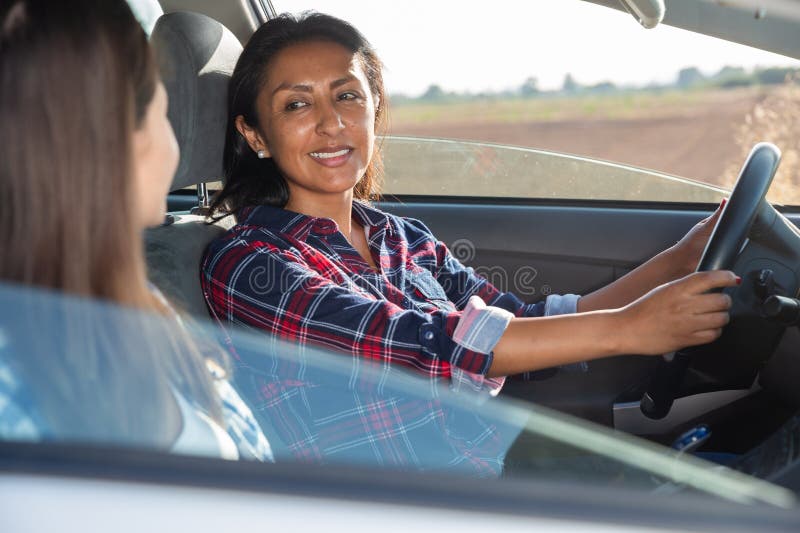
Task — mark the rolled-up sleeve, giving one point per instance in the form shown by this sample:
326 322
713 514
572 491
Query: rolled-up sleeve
481 326
561 304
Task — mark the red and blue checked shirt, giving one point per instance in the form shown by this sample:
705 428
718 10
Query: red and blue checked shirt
321 408
298 278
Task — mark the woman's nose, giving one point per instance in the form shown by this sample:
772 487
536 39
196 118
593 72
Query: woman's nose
329 121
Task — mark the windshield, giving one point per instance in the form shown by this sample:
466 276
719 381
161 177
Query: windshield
80 371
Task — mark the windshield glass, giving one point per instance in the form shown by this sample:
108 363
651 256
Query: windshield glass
80 371
574 78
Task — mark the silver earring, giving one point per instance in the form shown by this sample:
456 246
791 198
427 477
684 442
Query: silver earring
261 154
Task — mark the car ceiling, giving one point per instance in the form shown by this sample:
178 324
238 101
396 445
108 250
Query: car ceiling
772 25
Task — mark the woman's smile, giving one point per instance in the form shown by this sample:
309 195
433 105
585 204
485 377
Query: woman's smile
332 157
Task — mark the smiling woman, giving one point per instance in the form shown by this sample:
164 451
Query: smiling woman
271 92
319 131
310 260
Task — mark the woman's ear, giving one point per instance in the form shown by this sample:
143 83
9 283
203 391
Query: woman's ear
252 136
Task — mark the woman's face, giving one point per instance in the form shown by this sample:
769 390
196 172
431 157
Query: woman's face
317 117
155 159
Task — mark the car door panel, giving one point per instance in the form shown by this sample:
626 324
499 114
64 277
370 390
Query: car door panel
570 249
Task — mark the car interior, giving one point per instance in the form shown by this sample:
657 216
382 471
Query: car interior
743 388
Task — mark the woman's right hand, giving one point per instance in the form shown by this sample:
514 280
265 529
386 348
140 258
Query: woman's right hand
678 314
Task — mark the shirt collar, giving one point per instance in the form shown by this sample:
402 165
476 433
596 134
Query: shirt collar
369 216
298 225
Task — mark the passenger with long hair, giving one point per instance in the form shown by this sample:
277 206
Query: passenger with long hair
86 159
312 261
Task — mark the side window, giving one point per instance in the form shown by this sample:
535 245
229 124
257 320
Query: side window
442 167
571 100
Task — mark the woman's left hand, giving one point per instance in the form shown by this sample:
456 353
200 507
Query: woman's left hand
689 249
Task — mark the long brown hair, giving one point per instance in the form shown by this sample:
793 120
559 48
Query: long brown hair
76 79
253 181
74 82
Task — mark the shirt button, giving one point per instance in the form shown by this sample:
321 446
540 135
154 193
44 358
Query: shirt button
428 336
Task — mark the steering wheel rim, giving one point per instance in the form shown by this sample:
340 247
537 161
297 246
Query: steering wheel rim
738 216
740 212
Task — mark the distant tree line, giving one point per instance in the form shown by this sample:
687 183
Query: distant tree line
729 77
688 78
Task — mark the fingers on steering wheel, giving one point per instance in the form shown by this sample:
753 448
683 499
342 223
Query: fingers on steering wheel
707 335
712 321
717 212
712 302
700 282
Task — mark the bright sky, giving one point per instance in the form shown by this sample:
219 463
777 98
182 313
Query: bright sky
466 45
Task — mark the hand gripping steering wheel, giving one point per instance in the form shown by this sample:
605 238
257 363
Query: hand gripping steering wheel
746 203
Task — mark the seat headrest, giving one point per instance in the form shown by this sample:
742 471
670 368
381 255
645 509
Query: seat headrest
196 57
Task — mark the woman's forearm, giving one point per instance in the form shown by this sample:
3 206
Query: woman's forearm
661 269
593 333
542 342
667 318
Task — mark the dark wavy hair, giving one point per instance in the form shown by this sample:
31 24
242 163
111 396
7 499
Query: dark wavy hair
253 181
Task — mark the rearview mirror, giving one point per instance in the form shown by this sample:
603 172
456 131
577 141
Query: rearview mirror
648 12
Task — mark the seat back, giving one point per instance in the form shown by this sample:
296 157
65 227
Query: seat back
196 57
173 255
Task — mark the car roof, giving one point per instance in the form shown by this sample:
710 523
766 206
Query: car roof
772 25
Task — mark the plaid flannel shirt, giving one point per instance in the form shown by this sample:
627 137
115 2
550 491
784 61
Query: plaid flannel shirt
298 278
317 407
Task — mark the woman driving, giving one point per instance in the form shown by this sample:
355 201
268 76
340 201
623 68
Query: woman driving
312 261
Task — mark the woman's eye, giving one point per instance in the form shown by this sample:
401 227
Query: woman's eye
293 106
348 96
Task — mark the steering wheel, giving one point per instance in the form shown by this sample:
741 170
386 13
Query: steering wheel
747 202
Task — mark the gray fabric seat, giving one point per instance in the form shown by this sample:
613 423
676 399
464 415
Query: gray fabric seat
173 259
196 56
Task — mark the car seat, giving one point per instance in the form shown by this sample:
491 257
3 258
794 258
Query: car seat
196 57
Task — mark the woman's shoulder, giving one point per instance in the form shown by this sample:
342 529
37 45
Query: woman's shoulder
415 225
408 226
416 231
